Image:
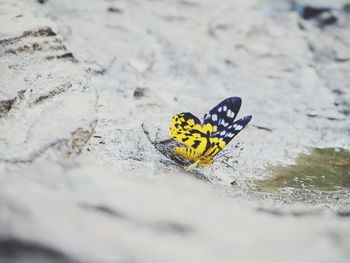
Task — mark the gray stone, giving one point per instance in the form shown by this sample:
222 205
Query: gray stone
87 92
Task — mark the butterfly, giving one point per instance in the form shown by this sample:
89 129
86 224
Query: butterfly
202 141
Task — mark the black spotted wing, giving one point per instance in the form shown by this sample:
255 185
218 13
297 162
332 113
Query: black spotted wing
229 132
224 114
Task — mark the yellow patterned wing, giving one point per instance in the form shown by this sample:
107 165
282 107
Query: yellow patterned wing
188 130
198 157
216 145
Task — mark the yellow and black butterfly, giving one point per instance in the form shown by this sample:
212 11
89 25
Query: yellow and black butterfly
201 142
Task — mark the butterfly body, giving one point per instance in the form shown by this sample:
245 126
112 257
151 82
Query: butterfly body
202 141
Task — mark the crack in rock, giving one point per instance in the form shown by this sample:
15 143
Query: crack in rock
66 148
6 105
37 32
161 226
56 91
43 40
104 209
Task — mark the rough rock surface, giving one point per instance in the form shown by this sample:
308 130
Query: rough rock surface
87 90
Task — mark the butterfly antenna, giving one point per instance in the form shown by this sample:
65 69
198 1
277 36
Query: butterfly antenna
227 164
222 154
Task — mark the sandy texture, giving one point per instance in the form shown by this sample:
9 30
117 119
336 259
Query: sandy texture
87 91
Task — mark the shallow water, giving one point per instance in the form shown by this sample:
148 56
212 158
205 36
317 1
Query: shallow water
326 169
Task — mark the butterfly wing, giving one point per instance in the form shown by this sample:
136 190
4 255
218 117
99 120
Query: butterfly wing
207 140
216 145
223 115
221 138
187 129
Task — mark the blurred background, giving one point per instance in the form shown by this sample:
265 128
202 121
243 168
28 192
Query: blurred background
87 92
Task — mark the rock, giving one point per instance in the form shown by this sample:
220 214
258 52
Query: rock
62 214
87 92
139 65
41 83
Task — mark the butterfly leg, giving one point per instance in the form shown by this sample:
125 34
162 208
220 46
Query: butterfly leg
193 165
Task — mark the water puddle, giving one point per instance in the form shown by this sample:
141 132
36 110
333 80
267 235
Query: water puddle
326 169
